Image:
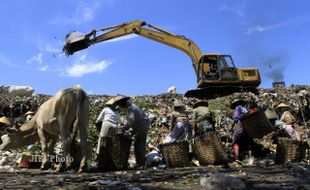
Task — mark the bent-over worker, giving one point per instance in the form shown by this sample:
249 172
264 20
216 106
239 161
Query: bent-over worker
202 119
179 123
138 121
109 120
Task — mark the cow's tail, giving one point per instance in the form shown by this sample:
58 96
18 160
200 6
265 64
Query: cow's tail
82 117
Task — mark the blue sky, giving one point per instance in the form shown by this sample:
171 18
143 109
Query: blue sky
271 35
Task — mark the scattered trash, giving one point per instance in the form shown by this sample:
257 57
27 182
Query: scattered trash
24 161
221 181
109 183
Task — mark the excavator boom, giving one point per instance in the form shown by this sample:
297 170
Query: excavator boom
76 41
216 73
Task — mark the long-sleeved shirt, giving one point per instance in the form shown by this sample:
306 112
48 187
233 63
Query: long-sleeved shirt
136 118
239 131
108 115
239 111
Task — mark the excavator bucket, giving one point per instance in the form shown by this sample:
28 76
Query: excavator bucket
75 41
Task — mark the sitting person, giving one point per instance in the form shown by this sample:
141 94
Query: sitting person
286 127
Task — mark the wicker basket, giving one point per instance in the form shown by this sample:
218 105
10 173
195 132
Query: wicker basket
209 149
175 154
116 153
120 151
289 150
256 124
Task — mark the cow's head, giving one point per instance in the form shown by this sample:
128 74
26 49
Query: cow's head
16 139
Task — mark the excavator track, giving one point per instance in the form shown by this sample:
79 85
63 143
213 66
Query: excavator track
218 91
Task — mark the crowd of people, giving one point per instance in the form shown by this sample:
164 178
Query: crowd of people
184 120
184 125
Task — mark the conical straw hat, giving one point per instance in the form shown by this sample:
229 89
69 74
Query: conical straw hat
5 120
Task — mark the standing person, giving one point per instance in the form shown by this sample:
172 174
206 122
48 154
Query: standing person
202 119
241 140
107 123
138 121
179 123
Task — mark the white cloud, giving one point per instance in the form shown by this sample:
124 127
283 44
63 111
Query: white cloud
236 8
43 68
81 58
80 69
84 12
255 29
36 59
259 28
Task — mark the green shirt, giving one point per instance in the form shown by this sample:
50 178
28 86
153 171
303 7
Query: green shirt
201 113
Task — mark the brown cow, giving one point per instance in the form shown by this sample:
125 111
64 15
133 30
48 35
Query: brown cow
61 115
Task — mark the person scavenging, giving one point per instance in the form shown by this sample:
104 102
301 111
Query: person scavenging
241 140
107 123
202 118
139 123
179 123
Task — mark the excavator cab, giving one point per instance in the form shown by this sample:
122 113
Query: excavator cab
218 76
217 67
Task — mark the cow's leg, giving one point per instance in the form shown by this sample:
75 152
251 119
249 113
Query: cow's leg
66 145
45 163
51 147
51 144
84 146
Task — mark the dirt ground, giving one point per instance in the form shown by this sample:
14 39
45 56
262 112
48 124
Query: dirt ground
290 176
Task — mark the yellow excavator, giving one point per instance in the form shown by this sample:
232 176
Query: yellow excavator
216 73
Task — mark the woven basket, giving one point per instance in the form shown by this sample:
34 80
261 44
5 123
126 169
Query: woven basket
289 150
120 151
175 154
256 124
209 149
116 153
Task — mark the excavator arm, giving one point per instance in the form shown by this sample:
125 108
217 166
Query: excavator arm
216 73
76 41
